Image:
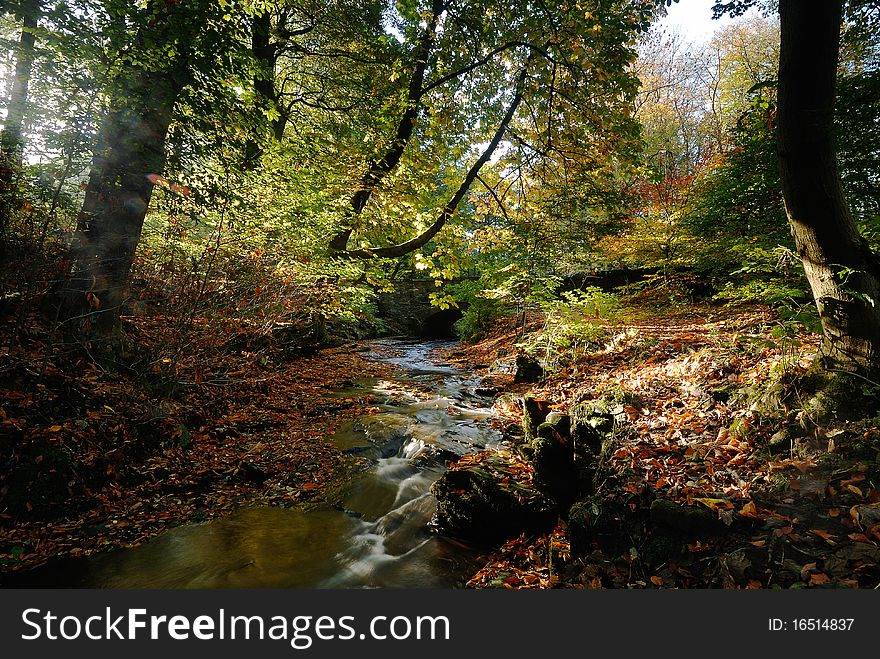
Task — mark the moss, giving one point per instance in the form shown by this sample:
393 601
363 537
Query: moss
824 396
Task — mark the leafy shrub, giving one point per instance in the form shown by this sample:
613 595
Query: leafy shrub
572 325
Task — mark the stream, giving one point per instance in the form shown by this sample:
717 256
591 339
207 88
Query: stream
429 413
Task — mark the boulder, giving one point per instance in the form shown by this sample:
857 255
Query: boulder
527 369
485 502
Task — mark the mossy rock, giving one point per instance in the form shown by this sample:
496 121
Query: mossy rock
663 544
601 415
601 522
825 396
476 505
693 521
535 411
555 473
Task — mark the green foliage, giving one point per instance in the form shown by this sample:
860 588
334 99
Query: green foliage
478 310
572 326
768 276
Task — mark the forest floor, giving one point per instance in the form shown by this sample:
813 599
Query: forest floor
97 458
211 416
789 503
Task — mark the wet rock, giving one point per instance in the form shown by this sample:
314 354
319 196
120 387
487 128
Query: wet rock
690 520
527 369
474 504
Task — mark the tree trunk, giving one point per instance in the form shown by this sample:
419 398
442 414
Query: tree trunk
266 55
12 140
843 273
449 209
129 158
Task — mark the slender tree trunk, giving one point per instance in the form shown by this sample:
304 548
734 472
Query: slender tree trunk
266 55
380 168
842 271
449 209
12 139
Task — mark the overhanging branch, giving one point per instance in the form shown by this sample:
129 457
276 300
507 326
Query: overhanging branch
449 209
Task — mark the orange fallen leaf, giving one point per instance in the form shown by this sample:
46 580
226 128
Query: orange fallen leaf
827 537
750 510
657 580
819 578
855 490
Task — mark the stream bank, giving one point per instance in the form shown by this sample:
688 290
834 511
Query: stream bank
369 529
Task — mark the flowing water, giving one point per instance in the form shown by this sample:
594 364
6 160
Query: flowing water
428 414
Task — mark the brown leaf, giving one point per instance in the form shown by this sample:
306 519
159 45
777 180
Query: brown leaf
819 578
827 537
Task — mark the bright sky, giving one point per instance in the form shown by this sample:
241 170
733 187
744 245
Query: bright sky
694 19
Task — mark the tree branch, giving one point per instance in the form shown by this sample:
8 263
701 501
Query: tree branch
380 168
451 206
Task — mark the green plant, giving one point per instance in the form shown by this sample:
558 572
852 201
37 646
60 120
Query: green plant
571 326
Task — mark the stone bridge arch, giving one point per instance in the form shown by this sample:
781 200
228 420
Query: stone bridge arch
408 311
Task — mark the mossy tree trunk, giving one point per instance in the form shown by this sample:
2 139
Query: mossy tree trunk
843 272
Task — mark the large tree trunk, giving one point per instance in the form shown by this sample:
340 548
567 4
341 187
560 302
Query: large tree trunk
12 140
843 272
129 158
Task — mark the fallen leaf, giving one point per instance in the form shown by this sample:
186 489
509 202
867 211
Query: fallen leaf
750 510
827 537
819 578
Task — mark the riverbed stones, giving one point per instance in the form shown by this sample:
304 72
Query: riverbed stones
485 502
